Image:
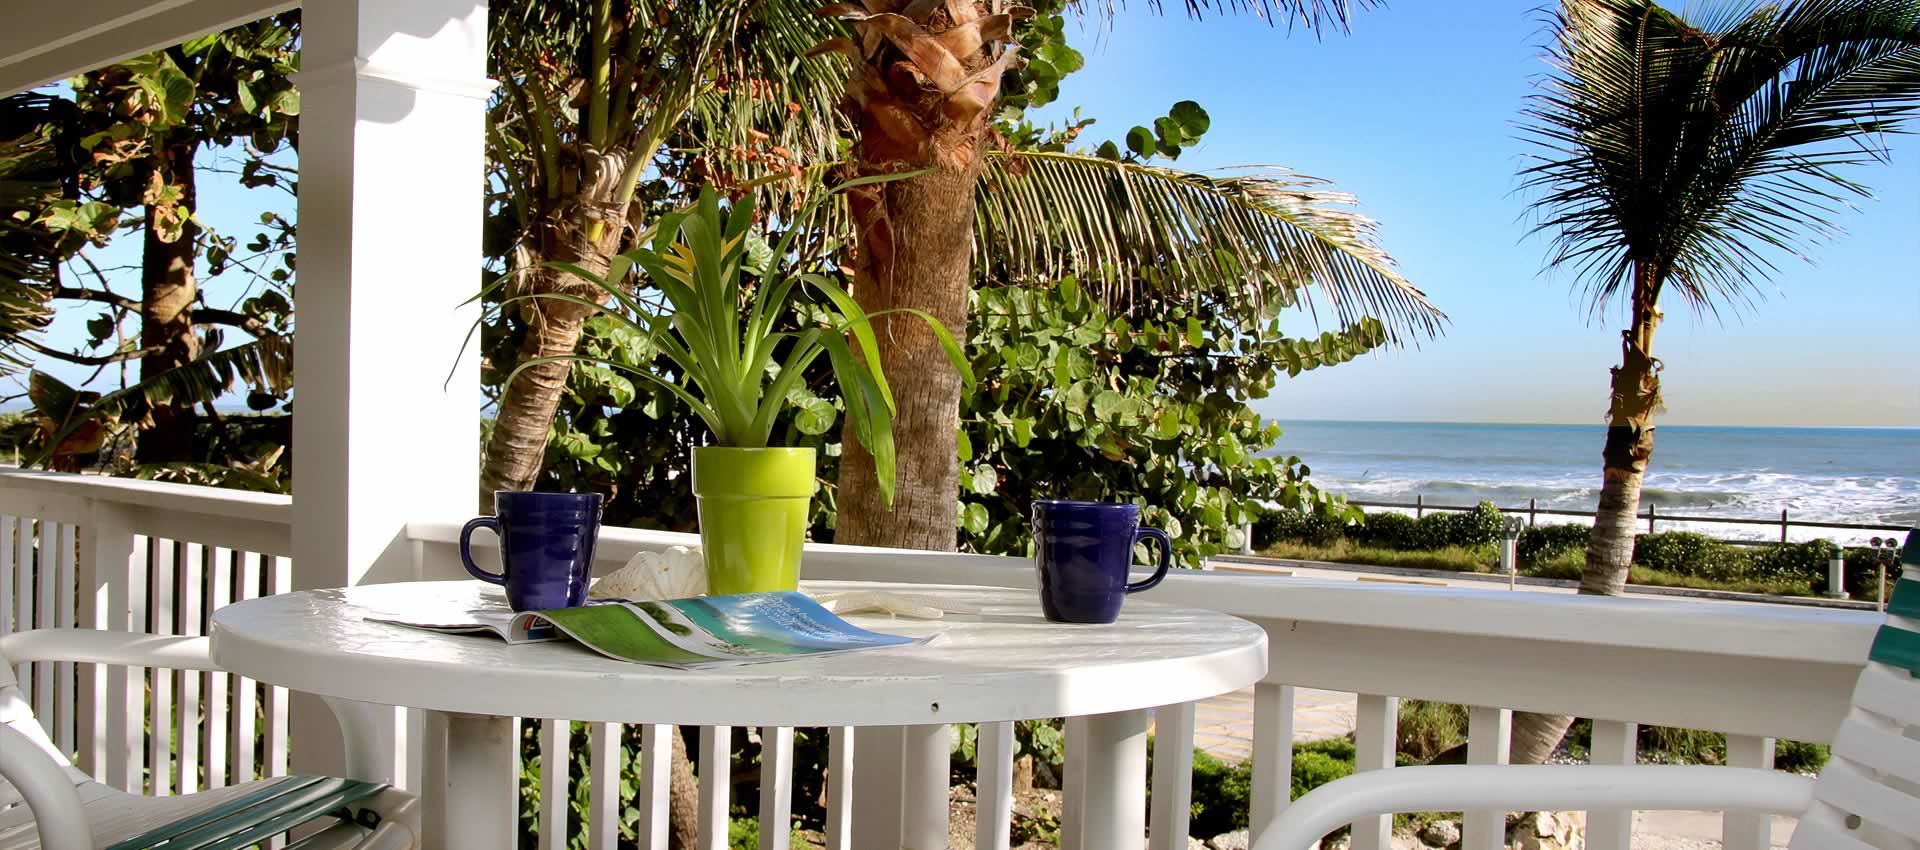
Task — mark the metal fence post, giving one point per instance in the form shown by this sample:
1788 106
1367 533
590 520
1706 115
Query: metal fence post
1652 509
1531 507
1783 525
1419 506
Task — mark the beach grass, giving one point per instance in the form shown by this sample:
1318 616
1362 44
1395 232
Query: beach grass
1486 558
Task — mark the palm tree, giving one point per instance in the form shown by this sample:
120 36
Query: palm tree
925 80
1676 154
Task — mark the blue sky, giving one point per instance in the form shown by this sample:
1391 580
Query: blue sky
1413 111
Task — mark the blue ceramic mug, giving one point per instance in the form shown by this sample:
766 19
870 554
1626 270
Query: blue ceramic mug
546 547
1082 551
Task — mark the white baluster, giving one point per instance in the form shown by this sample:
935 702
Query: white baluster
840 788
776 787
66 601
280 581
877 796
555 791
993 748
1272 754
656 784
1376 741
43 615
1748 830
603 790
126 686
1489 741
1172 777
192 618
220 580
9 576
246 692
923 820
1613 743
1073 783
716 777
160 708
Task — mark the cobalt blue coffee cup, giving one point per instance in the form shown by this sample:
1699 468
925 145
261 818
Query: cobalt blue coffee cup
546 547
1082 551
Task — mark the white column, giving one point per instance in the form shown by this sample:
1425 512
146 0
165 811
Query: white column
926 764
1113 774
393 97
993 784
1748 830
1172 808
472 797
1613 743
1376 741
877 798
1272 755
1489 741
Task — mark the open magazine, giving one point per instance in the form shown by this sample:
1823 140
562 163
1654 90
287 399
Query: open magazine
705 631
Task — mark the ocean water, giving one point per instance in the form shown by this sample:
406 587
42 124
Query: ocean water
1857 475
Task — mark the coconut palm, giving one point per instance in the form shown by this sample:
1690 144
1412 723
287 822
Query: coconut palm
925 79
1679 154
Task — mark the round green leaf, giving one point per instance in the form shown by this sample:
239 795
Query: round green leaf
1191 117
1140 141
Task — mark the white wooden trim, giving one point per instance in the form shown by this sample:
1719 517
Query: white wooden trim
1376 741
1172 801
603 791
1489 742
1273 706
656 785
716 777
776 787
1614 743
556 796
840 771
993 749
45 42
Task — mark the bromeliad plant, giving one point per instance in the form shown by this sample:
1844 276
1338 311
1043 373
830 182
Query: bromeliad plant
737 368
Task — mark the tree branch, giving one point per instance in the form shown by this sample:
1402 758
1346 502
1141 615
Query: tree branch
90 360
217 316
103 297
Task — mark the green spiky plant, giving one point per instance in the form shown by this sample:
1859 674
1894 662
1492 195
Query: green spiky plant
737 371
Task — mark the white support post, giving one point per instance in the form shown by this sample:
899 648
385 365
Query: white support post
840 771
1113 776
993 786
603 786
716 783
1073 782
1272 754
1748 830
878 799
393 99
1376 740
1614 742
1489 741
556 792
1172 812
480 772
656 783
923 817
776 787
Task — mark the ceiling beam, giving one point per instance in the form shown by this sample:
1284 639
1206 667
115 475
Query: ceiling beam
55 39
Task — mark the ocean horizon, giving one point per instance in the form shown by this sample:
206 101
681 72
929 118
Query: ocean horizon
1847 474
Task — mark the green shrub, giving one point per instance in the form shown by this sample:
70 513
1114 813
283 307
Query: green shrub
1222 794
1800 756
1684 553
1428 729
1791 561
1387 531
1544 543
1317 763
1295 526
1476 527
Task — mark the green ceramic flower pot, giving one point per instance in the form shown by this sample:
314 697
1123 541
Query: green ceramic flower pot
753 516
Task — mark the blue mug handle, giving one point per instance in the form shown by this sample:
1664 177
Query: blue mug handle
466 548
1166 558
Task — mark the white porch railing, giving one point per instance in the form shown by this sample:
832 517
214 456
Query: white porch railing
144 556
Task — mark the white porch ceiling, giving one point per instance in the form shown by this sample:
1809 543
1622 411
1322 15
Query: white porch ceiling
50 40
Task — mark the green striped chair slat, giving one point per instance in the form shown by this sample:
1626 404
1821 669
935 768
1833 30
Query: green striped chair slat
1906 599
1898 648
250 819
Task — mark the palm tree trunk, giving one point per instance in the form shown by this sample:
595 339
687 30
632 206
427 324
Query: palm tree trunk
683 797
517 448
167 293
1636 397
916 239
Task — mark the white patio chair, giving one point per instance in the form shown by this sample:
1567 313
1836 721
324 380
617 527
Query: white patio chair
1867 798
65 809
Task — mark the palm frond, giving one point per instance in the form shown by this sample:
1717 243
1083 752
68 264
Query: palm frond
30 178
264 364
1695 150
1315 15
1268 234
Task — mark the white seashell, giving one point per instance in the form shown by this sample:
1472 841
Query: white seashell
911 605
676 573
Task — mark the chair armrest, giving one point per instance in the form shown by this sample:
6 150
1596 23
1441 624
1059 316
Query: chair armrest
97 646
1525 788
48 791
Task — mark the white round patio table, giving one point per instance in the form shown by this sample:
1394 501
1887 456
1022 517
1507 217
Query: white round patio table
1005 662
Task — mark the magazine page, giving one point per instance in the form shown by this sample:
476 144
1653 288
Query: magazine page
491 616
712 630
